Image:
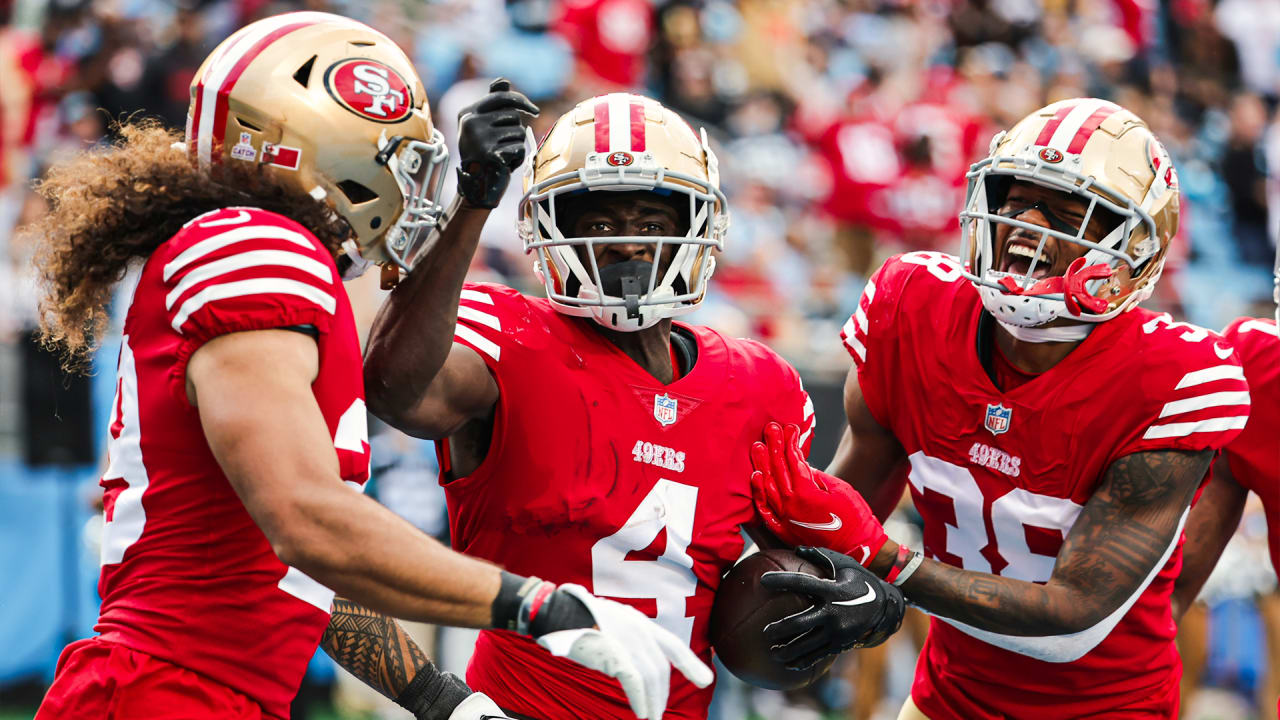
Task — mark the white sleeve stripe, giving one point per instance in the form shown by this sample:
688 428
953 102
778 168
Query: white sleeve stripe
1218 424
1209 374
255 286
861 318
870 291
477 341
230 237
849 329
808 406
804 436
474 315
253 258
477 296
857 347
1201 402
1251 325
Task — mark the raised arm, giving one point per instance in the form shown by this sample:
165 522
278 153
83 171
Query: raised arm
416 379
1212 522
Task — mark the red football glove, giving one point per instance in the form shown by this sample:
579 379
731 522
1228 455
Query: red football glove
805 506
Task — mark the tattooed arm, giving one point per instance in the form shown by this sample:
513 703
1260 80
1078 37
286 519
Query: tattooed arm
377 651
1122 538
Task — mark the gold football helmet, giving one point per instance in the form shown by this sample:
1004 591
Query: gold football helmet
1095 150
335 107
623 142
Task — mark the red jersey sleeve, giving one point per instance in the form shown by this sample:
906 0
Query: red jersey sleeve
487 316
870 333
1255 455
246 269
792 405
1189 391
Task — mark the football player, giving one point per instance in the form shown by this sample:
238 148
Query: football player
1051 431
586 436
1250 462
238 444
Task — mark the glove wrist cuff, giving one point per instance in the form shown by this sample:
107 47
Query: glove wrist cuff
514 608
432 695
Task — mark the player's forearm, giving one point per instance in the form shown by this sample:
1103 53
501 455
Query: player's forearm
366 553
1000 605
413 331
372 647
1212 522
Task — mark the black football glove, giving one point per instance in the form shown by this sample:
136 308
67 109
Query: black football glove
856 609
491 143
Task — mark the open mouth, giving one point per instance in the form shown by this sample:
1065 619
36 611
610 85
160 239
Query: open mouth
1019 255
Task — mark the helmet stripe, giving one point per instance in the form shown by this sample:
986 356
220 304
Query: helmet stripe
1047 131
220 77
1075 121
602 126
1090 125
637 127
619 122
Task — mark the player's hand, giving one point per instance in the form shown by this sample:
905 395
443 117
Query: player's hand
856 609
626 645
478 706
491 143
805 506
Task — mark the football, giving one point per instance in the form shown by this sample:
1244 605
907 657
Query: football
743 607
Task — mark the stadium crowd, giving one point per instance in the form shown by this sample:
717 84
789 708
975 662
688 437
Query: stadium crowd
844 128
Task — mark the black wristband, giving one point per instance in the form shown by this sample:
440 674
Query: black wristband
433 695
505 610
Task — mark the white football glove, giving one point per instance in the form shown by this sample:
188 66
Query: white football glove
630 647
478 706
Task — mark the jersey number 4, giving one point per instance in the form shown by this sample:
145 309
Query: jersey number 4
668 580
1016 519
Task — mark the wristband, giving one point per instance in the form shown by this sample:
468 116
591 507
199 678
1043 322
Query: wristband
513 609
900 561
432 695
907 571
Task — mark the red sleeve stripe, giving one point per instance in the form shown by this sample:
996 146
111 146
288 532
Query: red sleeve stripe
1209 374
1217 424
245 260
476 341
230 237
254 286
1200 402
470 314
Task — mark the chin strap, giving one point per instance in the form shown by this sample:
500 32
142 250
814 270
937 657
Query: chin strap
1071 284
1065 333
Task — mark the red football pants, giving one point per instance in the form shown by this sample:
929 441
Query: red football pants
106 681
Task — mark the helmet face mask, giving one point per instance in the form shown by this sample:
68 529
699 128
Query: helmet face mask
334 108
577 157
1116 168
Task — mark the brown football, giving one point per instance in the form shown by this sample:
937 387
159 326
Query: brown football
742 609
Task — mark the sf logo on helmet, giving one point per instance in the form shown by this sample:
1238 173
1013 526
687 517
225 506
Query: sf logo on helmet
620 158
369 89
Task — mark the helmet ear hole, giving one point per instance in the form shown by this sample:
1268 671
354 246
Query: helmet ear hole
356 193
303 74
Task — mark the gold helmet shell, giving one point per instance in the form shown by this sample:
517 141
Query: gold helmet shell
623 142
334 107
1095 150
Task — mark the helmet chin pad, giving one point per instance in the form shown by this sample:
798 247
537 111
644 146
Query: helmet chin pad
627 280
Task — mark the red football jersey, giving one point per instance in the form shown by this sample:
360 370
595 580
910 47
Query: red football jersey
1000 477
186 574
1254 456
599 475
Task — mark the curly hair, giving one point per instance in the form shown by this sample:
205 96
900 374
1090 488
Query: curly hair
113 205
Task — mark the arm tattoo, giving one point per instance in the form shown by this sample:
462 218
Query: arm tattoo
372 647
1116 541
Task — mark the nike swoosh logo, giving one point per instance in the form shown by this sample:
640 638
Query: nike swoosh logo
835 524
865 597
1221 352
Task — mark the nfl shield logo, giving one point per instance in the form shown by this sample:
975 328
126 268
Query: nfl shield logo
664 409
998 418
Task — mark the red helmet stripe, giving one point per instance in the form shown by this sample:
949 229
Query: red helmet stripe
220 116
1047 132
602 126
1089 126
637 127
